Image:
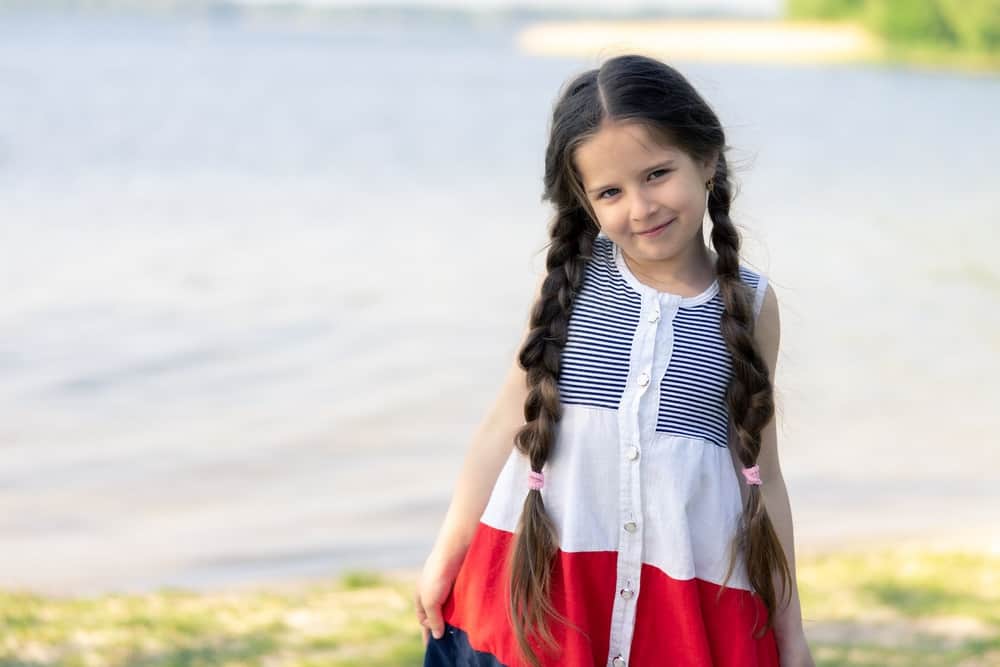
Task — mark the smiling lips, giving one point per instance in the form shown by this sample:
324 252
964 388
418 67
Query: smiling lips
649 232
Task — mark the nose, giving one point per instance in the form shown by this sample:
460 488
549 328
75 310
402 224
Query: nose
641 205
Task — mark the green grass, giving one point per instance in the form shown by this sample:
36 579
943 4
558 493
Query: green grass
902 607
883 608
362 619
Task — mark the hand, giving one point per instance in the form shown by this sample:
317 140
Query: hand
433 588
794 651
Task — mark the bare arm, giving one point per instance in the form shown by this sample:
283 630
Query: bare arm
490 448
788 619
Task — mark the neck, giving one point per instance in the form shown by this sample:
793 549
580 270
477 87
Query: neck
694 269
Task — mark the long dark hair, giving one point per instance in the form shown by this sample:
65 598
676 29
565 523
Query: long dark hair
643 90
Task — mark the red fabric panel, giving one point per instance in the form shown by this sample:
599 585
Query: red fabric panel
680 622
677 621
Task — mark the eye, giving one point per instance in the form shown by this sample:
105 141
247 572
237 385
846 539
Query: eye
652 174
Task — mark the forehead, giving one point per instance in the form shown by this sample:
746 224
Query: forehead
619 150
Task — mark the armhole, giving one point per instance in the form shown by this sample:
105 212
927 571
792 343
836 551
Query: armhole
758 300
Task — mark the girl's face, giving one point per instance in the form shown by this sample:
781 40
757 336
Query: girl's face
635 186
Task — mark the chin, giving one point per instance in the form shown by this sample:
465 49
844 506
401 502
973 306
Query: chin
645 251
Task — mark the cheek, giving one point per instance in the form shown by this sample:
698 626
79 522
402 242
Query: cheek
684 193
687 200
613 216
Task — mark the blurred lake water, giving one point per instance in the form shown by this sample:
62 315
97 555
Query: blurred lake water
261 281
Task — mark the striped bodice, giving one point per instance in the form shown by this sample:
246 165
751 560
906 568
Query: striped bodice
595 361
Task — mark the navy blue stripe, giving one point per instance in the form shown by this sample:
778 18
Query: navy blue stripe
573 351
590 343
702 373
589 400
594 384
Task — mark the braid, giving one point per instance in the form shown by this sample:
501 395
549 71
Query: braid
750 397
536 541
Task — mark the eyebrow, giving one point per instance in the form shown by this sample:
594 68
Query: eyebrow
658 165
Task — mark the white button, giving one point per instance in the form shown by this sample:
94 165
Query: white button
627 593
654 316
618 661
643 379
630 526
632 453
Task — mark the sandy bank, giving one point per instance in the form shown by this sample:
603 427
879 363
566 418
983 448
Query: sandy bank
719 41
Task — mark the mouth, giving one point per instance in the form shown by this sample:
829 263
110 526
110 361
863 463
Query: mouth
654 230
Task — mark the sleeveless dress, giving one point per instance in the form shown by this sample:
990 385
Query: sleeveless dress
641 487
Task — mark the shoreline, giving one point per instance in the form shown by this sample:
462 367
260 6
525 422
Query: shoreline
977 543
703 40
805 558
966 542
783 42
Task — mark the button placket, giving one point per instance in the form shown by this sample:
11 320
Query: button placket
631 410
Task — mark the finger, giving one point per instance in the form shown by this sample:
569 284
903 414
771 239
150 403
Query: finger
424 633
435 621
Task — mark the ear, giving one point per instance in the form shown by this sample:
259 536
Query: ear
709 165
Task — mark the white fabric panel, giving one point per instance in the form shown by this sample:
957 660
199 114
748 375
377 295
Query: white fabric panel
690 496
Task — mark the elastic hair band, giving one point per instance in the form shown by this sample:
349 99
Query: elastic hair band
753 475
535 480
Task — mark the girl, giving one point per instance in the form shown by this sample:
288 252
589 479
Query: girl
642 518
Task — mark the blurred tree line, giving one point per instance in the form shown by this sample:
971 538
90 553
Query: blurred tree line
966 25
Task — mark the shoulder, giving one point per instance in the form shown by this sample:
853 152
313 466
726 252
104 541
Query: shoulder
603 248
751 278
767 327
758 284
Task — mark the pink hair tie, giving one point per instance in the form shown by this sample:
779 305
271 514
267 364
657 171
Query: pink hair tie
535 480
752 475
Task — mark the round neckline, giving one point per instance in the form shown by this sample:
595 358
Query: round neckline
643 288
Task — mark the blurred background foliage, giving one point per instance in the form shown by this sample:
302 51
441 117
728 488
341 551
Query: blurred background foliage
971 26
